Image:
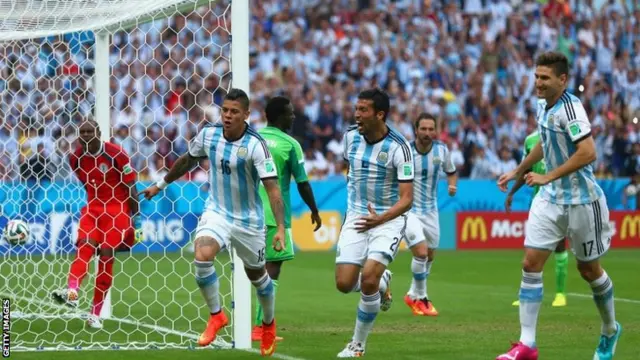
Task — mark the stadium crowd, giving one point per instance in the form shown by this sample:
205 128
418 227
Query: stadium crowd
470 62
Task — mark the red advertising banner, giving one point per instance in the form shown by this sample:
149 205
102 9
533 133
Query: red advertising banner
490 230
498 230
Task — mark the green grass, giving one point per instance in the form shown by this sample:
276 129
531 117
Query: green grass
473 292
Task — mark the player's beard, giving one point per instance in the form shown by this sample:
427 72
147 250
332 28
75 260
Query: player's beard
426 141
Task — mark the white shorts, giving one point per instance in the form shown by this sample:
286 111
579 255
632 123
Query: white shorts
380 243
248 242
423 228
587 227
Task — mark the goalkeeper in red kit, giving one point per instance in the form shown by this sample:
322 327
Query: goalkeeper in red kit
109 221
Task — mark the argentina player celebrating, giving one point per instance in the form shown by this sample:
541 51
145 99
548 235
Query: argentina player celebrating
423 227
570 204
233 213
379 192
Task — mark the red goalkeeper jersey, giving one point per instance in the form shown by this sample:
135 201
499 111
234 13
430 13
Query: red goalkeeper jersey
105 175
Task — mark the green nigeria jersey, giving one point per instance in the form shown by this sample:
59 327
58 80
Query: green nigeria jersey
538 168
289 159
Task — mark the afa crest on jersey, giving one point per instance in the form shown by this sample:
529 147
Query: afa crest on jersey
437 160
242 152
382 157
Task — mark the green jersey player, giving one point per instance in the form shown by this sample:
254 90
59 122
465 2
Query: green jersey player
289 161
561 254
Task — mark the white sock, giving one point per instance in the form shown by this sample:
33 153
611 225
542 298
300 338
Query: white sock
603 296
266 297
384 282
530 300
368 308
207 280
428 271
418 288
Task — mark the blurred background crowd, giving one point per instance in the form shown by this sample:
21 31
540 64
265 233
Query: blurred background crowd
469 62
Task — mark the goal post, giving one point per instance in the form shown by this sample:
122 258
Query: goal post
27 272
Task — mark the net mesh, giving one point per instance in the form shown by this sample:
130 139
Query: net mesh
36 18
169 69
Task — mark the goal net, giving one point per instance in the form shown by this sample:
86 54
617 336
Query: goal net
151 72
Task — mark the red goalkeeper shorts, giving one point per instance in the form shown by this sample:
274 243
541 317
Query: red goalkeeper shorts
108 225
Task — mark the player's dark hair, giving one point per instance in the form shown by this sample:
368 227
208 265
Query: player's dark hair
275 107
239 96
558 62
379 98
425 116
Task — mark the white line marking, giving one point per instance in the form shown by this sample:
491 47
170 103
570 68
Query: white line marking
78 314
631 301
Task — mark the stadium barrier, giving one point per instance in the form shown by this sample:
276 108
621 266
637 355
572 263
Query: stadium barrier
473 219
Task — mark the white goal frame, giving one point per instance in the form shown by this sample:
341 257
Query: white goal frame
240 12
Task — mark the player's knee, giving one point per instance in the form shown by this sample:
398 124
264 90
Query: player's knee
590 271
420 251
106 253
206 248
369 283
82 243
344 284
532 264
346 278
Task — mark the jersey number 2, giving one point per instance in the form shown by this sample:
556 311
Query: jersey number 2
224 167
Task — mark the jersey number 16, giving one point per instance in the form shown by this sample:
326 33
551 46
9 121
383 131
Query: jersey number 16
224 167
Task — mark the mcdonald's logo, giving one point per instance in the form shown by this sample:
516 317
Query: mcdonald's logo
474 228
630 227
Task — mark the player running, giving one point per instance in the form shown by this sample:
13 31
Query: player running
561 254
106 221
430 156
233 215
379 193
570 204
289 160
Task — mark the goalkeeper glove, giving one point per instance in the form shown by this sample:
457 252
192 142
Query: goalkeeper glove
137 227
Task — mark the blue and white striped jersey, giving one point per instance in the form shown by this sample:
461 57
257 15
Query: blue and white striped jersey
427 168
375 169
236 170
561 127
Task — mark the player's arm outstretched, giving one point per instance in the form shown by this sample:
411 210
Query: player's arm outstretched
534 156
579 131
304 188
184 164
403 162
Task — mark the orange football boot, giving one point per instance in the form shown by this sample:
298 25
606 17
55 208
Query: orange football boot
268 342
216 322
426 307
413 305
256 333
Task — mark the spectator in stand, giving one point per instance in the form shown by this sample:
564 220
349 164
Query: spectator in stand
469 62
